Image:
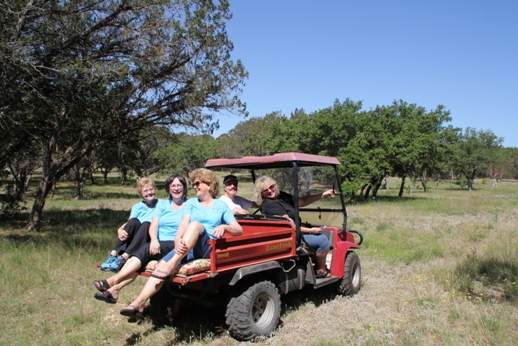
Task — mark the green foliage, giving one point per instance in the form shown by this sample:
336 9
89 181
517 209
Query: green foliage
83 75
473 153
256 136
186 153
505 164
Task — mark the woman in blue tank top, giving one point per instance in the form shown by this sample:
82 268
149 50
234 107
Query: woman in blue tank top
165 221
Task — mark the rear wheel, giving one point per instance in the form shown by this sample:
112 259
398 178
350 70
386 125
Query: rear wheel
351 281
255 312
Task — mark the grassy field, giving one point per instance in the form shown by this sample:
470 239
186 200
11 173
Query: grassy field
438 268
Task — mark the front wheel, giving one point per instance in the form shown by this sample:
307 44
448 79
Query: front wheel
351 282
255 312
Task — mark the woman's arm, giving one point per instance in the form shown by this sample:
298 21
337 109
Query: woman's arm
154 245
240 211
121 233
232 228
303 201
311 230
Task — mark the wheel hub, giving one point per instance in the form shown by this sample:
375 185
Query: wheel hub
263 309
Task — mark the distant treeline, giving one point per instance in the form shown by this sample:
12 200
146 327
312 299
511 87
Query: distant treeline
401 139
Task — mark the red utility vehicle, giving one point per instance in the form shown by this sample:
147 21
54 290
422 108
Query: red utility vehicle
249 272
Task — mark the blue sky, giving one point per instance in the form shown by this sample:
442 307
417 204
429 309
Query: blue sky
305 54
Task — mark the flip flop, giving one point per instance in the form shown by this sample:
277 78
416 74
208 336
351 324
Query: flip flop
101 285
159 274
105 297
132 311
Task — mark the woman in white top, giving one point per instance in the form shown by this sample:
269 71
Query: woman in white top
239 205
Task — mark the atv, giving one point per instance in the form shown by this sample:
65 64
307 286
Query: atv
249 273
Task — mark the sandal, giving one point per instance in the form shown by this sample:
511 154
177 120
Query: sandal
131 311
101 285
323 273
159 274
105 297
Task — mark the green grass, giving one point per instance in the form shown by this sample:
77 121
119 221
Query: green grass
397 245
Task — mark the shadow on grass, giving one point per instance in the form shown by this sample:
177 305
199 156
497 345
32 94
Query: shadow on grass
191 321
68 192
70 228
69 221
111 195
194 322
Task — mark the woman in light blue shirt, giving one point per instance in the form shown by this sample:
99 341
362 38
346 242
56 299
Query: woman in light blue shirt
165 221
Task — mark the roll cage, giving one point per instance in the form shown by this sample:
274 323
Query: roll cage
293 160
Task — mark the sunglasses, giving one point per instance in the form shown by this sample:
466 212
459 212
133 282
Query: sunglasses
198 182
231 182
271 187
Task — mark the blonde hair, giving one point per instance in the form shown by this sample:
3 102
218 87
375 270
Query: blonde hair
208 177
261 184
143 181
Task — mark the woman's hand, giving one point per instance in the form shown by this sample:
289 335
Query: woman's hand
180 247
122 234
154 247
219 231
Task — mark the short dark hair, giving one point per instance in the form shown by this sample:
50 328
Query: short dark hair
228 178
182 180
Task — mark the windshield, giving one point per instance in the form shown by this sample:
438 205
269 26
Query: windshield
312 181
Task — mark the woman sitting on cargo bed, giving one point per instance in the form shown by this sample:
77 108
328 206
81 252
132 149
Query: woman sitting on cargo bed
158 241
205 218
276 203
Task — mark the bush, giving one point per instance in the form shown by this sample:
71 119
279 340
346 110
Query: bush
487 277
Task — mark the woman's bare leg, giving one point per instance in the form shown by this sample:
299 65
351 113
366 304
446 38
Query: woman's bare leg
129 269
115 289
164 269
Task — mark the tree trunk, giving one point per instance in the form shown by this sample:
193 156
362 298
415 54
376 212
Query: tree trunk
21 177
22 184
402 186
79 183
376 188
105 176
424 178
44 188
423 183
470 184
124 176
471 181
52 171
368 191
362 190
